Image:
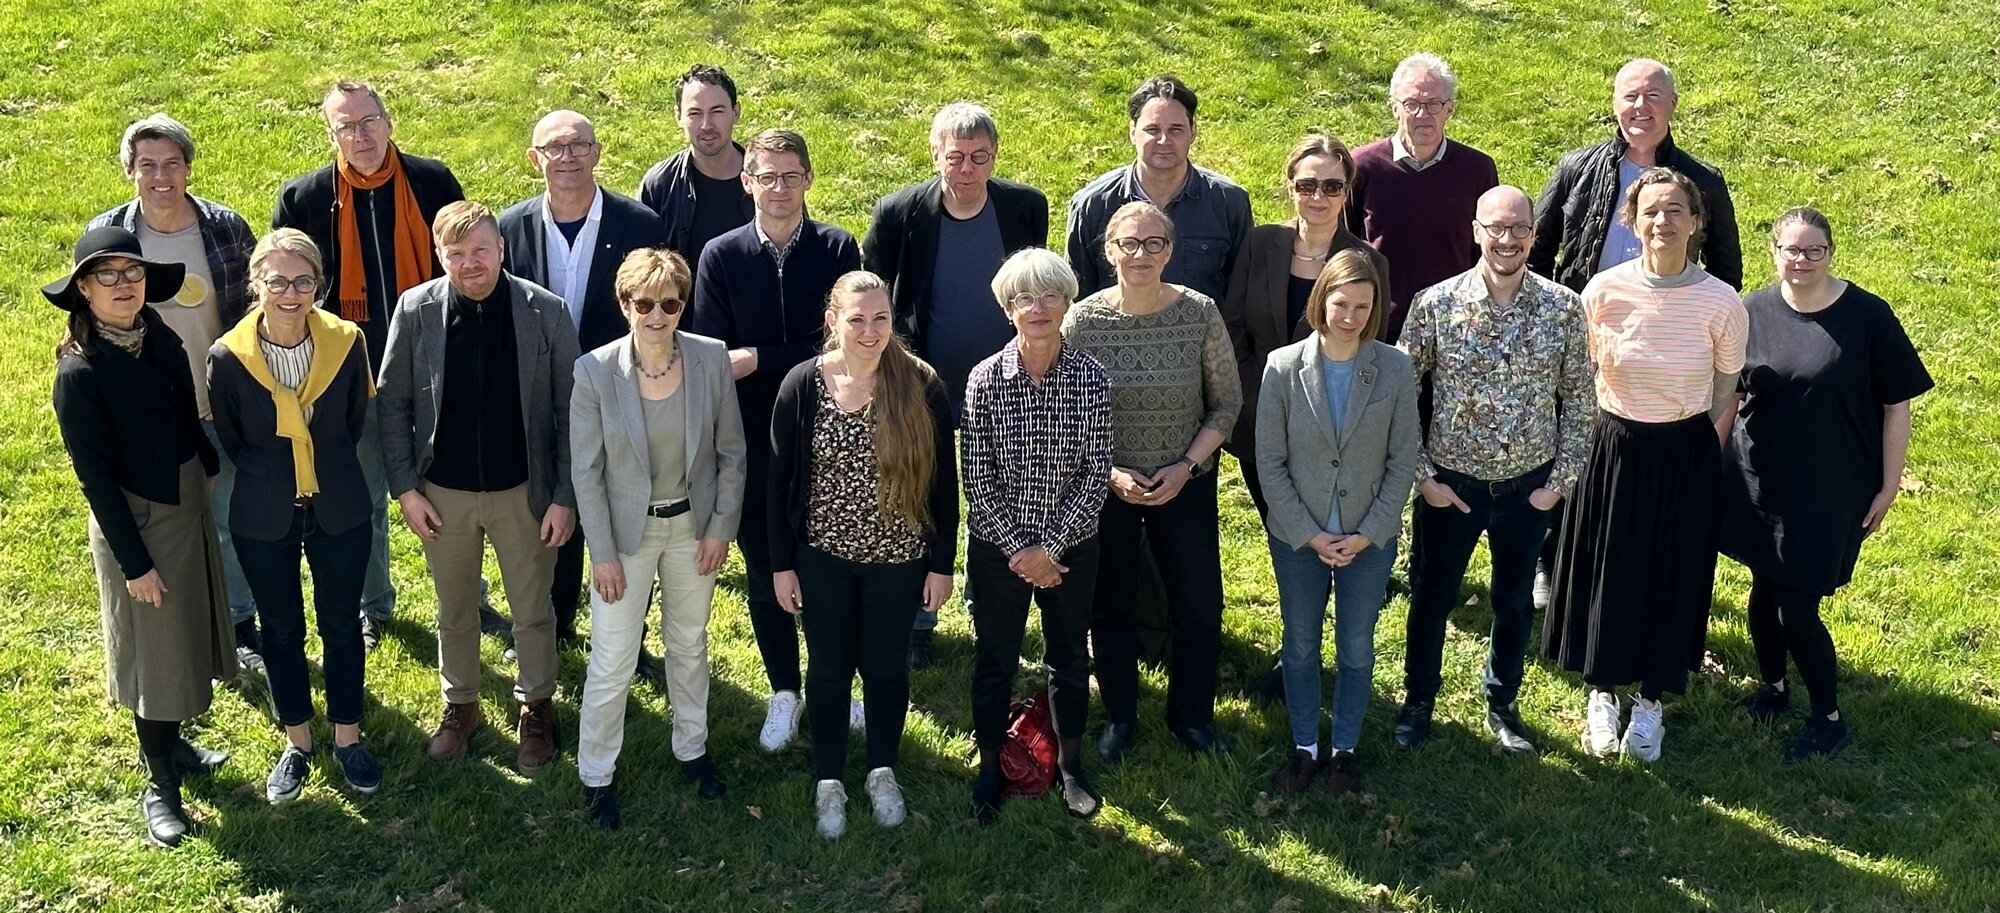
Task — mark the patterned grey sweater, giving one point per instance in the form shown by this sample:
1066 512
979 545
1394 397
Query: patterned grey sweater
1173 373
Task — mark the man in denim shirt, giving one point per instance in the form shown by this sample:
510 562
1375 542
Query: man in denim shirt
1211 214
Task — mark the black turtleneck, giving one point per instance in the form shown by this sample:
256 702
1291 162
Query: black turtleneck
481 442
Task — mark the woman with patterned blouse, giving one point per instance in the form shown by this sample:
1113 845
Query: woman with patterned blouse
863 529
1175 394
1036 428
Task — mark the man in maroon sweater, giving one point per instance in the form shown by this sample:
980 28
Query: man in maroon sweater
1414 193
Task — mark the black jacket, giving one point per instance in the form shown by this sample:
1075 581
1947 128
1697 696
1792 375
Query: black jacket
306 203
790 483
626 227
1581 199
902 240
246 422
129 423
668 191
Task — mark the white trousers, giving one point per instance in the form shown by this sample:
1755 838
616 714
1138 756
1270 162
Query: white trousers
666 553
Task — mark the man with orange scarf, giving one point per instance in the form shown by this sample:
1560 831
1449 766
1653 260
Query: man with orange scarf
370 212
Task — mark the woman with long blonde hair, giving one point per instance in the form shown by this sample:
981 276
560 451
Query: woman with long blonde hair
863 527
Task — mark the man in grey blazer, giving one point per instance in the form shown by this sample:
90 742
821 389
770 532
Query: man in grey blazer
474 403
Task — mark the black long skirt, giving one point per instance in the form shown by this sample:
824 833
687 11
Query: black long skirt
1635 565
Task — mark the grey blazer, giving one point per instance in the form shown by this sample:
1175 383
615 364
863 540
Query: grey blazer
1364 468
412 382
608 455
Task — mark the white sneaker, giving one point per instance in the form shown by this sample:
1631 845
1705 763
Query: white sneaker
832 805
1646 731
886 797
857 718
1600 727
781 721
1543 591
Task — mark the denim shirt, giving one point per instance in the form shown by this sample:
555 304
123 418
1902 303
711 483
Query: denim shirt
1211 225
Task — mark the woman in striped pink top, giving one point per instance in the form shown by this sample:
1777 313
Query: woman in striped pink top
1635 566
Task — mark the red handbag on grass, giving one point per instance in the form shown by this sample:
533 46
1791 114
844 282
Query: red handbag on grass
1028 757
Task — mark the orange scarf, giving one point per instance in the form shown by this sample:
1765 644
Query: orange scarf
412 243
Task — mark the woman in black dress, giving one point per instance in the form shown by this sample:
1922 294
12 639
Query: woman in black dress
1814 460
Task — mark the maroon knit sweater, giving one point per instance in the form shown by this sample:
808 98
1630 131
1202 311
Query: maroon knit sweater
1420 220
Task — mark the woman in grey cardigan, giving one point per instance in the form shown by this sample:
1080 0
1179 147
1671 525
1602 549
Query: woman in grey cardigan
1337 443
656 451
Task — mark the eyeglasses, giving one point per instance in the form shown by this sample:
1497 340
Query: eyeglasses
644 306
1499 231
1025 300
769 180
1152 245
576 149
304 285
1419 106
371 123
1815 253
1316 187
109 277
981 158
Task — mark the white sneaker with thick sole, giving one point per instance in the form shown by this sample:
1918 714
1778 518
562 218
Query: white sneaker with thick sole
831 803
781 721
886 797
1646 731
1600 726
857 717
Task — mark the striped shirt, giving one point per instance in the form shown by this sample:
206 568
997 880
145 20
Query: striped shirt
1659 341
289 365
1037 459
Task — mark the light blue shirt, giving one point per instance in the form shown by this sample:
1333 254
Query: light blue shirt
1620 244
1338 379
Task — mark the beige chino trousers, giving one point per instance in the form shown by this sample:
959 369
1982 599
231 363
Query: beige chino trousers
527 567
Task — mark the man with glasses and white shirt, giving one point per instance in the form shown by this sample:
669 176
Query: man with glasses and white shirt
370 213
762 289
1414 192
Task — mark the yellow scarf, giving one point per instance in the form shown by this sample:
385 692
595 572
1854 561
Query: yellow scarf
332 338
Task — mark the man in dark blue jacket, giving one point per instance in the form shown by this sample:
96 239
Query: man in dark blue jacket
762 289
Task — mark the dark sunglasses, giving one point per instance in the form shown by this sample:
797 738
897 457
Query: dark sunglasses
644 306
1331 187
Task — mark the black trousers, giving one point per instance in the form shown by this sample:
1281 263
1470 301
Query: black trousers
339 565
776 630
1786 619
566 590
1000 602
1181 536
857 619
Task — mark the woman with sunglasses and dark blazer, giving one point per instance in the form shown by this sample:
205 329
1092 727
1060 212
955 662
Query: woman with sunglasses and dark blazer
124 401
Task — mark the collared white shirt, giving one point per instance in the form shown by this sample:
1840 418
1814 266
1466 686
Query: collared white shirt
1408 159
569 263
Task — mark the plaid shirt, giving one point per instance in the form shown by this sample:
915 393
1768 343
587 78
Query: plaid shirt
1511 388
225 237
1037 460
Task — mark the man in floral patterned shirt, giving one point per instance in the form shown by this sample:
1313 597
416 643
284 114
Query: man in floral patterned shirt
1505 435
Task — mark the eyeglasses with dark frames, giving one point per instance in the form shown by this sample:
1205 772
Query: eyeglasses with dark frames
1500 231
1151 245
304 285
108 277
575 149
1814 252
769 180
982 158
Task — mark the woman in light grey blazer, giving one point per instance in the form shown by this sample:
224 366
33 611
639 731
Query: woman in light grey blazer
1337 447
657 453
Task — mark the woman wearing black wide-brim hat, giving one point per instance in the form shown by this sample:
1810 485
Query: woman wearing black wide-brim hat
124 399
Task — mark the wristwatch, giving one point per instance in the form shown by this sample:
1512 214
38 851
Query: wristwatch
1193 465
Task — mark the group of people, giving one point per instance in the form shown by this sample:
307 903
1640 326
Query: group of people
649 380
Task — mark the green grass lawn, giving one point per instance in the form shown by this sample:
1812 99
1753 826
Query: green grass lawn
1885 118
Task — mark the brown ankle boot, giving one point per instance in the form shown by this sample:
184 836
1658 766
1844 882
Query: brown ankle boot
537 735
455 732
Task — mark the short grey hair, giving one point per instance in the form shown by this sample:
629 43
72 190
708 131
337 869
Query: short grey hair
1033 270
963 120
1425 62
342 87
157 126
1665 70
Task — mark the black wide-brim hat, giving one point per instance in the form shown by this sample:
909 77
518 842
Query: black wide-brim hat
163 280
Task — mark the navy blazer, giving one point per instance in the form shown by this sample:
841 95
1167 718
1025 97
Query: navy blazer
901 245
626 226
246 422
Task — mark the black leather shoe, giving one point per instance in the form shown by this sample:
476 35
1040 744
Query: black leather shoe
1271 691
1767 703
1413 723
920 649
706 779
160 804
988 792
1114 742
1201 740
602 804
1508 730
371 633
195 761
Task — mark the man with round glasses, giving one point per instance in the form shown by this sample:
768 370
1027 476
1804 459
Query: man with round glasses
1414 192
1504 353
214 244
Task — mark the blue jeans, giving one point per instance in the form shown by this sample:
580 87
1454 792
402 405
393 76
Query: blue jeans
242 606
378 596
1358 590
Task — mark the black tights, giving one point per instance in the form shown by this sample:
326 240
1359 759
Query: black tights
157 738
1785 620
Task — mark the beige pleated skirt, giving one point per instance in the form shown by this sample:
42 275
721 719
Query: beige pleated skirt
160 662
